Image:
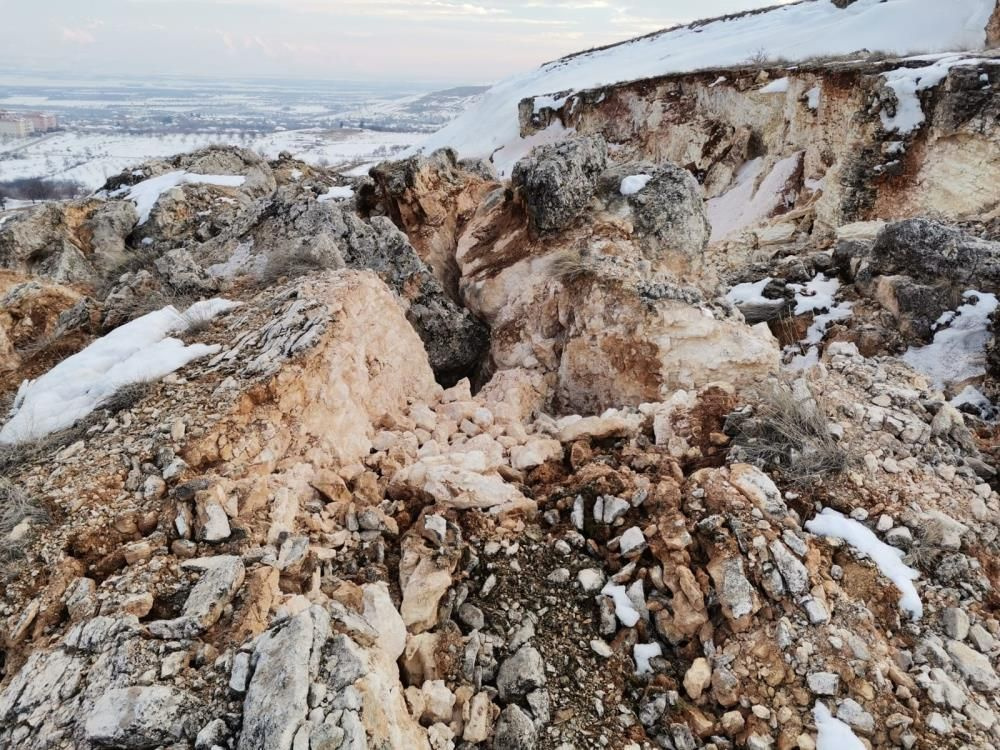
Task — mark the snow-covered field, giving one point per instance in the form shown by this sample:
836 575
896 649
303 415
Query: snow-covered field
896 27
91 158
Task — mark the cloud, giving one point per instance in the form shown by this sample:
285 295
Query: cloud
78 36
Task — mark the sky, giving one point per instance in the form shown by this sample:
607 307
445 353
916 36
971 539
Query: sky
453 41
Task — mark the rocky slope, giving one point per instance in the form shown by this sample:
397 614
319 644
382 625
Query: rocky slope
575 459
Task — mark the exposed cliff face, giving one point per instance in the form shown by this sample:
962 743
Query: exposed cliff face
828 118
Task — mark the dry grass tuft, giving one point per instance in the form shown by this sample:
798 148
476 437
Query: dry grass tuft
570 265
790 435
301 262
15 508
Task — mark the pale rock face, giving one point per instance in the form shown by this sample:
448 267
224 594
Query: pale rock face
462 481
140 717
367 363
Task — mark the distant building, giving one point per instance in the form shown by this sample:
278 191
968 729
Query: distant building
17 128
42 122
19 124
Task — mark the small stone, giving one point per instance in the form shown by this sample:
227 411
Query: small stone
520 674
559 575
472 616
590 579
938 723
851 712
514 730
956 623
732 723
601 648
981 638
697 678
633 540
823 683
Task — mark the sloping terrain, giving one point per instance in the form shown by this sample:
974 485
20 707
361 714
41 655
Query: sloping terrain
682 434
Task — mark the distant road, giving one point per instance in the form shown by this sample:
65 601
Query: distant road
29 144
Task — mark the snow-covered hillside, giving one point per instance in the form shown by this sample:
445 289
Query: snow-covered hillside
791 32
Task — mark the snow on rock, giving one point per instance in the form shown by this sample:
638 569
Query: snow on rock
137 352
907 83
643 652
833 734
750 293
745 203
819 297
973 398
145 194
625 611
634 183
897 27
777 86
888 559
337 192
813 96
957 352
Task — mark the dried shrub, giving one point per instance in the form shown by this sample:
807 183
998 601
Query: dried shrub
790 435
16 506
300 262
570 265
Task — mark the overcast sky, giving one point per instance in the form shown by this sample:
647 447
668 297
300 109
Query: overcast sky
473 41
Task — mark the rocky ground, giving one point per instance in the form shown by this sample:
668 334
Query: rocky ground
499 464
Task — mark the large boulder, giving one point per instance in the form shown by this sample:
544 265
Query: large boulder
666 207
557 181
933 252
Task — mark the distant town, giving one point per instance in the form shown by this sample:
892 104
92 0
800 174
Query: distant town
23 124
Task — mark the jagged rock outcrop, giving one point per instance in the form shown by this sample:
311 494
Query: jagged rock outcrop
601 304
558 181
432 198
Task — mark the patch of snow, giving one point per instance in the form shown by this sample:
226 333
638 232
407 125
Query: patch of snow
777 86
817 294
818 297
745 204
833 734
505 157
3 220
957 351
296 174
137 352
794 31
813 96
145 194
549 102
337 192
643 652
625 611
907 83
634 183
814 185
750 293
972 397
888 559
717 81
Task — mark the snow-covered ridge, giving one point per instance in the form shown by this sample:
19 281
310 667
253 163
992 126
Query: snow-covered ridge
794 32
137 352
